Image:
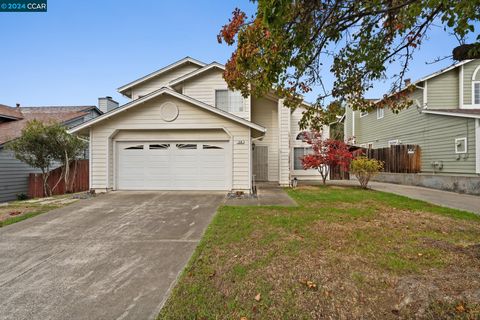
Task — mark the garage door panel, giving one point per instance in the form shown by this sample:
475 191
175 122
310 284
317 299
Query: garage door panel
182 165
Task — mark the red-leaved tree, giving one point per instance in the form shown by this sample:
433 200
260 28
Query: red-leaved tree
327 153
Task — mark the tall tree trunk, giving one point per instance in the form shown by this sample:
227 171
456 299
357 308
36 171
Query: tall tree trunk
46 187
72 177
62 174
67 172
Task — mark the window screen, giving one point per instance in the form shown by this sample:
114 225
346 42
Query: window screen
221 99
230 101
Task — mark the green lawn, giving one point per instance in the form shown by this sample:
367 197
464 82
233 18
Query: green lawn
344 253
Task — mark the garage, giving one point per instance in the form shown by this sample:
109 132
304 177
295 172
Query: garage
173 165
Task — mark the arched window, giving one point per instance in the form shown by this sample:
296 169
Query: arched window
302 136
476 86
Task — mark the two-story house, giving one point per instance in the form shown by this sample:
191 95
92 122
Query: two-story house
184 130
444 121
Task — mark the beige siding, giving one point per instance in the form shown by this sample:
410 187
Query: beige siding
284 120
468 70
265 113
161 80
203 86
435 134
147 117
347 129
443 90
173 135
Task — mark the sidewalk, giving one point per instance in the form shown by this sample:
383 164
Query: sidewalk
442 198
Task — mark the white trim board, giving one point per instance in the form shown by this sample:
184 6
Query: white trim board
453 114
196 72
172 93
160 71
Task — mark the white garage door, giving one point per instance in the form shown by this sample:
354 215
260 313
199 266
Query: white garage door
173 165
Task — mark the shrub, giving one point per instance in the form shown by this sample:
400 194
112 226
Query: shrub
364 169
21 196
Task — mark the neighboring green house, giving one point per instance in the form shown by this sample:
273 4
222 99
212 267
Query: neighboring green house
444 121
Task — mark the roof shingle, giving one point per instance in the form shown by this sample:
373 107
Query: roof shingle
13 129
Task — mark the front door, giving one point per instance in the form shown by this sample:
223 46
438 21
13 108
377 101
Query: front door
260 163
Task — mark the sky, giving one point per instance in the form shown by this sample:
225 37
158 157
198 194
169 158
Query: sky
81 50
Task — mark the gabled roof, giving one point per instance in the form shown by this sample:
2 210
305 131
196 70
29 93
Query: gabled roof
432 75
170 92
63 114
453 66
160 71
10 113
197 72
464 113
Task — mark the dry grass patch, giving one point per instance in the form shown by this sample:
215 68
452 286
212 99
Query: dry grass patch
342 254
17 211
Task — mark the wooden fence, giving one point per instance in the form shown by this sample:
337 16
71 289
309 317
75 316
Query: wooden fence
80 180
405 158
337 173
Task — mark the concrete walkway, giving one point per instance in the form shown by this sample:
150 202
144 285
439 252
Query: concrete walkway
116 256
268 194
442 198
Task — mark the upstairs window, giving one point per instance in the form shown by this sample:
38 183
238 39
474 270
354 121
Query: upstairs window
380 113
476 92
230 101
303 136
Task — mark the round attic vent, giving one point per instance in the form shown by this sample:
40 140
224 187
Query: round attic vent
169 111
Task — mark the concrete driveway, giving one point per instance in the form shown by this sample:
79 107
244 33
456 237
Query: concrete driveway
112 257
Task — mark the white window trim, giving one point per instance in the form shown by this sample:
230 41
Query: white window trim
393 142
473 93
363 114
465 143
382 110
